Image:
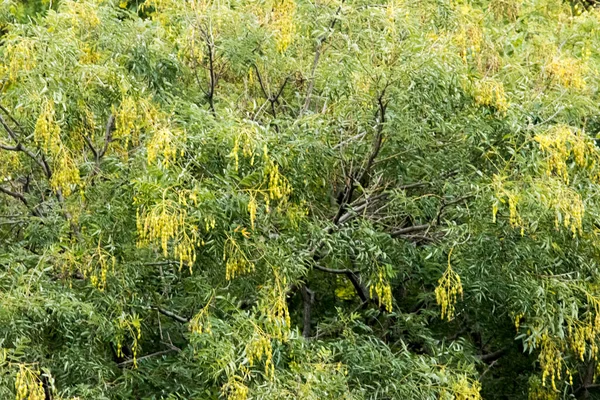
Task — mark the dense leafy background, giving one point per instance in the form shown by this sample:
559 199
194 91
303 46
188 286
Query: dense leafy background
281 199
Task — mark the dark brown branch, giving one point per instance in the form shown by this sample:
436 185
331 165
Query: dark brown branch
378 140
212 74
20 147
172 315
409 229
352 276
493 356
157 354
308 298
110 127
15 195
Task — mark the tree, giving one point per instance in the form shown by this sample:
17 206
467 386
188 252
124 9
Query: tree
287 199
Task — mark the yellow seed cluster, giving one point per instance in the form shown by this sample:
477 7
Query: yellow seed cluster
537 391
259 347
568 205
506 8
505 195
97 266
165 222
447 292
469 38
551 361
164 144
9 163
88 55
236 262
82 14
65 174
561 143
489 92
200 323
282 22
518 318
19 58
568 71
383 290
464 388
131 325
126 121
273 306
246 139
47 131
235 389
28 385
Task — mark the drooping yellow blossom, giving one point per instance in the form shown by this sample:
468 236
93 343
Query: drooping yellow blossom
165 222
164 144
132 326
383 290
235 389
260 346
568 71
551 361
562 142
489 92
65 174
20 58
200 323
282 22
448 290
236 262
466 389
28 385
274 307
47 131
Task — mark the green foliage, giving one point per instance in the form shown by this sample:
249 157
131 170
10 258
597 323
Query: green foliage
283 199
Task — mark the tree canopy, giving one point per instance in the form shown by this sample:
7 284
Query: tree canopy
293 199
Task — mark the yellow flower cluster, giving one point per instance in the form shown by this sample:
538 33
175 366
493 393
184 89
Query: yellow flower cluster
282 22
236 262
235 389
126 123
9 163
560 143
447 292
47 131
466 389
383 290
551 361
131 325
83 14
489 92
19 58
537 391
518 318
568 71
506 8
164 222
513 200
276 309
65 173
246 139
568 206
28 384
164 143
200 323
260 346
97 266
